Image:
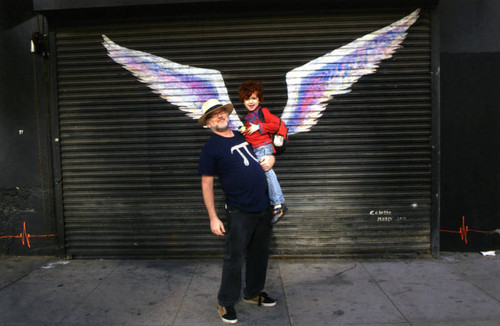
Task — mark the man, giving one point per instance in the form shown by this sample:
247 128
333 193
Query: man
228 155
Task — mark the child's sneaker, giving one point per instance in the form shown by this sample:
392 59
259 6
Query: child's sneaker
278 212
261 300
228 314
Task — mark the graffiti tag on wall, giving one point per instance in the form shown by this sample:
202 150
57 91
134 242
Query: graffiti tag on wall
25 236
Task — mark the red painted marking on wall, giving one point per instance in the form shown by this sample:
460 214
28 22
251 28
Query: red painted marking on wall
464 229
25 236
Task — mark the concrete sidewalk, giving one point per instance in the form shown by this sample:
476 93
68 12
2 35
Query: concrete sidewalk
455 289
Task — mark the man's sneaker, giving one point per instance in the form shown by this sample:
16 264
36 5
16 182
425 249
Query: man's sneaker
278 213
261 300
228 314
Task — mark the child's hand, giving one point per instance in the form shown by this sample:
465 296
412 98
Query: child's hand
242 130
253 128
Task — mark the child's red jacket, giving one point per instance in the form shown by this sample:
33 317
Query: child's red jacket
271 125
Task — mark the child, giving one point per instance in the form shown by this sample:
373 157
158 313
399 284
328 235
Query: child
257 133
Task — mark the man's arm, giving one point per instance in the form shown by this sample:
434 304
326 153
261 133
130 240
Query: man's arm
207 186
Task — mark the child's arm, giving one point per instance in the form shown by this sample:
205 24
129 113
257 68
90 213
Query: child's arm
272 123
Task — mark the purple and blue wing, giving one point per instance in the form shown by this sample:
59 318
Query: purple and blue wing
312 85
184 86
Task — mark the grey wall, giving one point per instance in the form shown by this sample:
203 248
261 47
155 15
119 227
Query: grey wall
470 121
25 187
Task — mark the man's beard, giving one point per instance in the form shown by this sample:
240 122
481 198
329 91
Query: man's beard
222 128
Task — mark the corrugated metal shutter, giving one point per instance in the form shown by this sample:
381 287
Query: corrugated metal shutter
359 183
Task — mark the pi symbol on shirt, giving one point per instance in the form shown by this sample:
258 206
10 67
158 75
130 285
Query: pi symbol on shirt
245 147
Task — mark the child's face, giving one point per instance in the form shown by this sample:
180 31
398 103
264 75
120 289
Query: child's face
252 102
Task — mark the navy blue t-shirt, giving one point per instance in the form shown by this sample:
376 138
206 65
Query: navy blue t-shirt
243 179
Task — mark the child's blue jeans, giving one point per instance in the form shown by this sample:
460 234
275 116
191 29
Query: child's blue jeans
275 194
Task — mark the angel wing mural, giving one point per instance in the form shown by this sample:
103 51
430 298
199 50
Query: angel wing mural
309 87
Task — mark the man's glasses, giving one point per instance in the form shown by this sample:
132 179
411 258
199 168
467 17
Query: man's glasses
216 113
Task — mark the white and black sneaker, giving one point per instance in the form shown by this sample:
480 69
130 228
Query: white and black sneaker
227 313
261 300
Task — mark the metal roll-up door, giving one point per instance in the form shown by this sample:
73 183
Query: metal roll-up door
357 183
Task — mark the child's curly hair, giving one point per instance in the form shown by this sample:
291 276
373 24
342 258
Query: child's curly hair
248 88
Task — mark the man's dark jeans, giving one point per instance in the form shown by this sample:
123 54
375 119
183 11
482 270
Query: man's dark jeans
250 232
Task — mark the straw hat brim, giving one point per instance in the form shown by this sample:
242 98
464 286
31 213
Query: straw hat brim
203 119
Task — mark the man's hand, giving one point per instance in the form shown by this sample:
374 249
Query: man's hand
267 162
217 227
207 186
